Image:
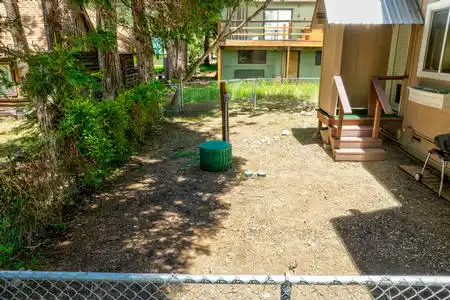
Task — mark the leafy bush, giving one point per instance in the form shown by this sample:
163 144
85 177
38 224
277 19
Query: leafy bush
93 138
107 132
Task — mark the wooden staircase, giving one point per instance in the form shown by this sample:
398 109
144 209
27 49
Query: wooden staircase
356 144
359 142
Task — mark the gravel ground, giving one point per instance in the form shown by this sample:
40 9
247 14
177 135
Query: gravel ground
310 215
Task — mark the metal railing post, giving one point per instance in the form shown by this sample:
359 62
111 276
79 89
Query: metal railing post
254 93
181 96
286 291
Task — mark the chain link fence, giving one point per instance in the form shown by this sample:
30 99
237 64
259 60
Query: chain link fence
67 285
293 94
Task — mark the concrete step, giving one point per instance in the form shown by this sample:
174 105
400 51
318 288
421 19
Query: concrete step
355 142
354 131
359 154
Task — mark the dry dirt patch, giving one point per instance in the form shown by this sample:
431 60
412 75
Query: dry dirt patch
310 215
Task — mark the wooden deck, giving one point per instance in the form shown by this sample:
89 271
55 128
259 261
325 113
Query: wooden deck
429 179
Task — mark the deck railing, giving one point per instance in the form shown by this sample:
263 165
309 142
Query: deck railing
272 30
379 101
344 103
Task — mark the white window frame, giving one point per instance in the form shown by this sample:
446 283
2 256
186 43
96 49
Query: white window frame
426 36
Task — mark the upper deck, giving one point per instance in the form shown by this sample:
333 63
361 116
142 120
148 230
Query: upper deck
281 24
275 34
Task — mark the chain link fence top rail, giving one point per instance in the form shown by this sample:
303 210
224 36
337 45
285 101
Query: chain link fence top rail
70 285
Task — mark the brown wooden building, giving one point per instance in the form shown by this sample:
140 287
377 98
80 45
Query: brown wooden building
386 67
32 13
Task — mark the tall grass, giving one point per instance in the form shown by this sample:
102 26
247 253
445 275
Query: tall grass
276 90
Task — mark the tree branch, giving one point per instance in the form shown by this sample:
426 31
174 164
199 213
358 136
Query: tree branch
264 6
223 35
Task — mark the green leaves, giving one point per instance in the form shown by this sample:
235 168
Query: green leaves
107 132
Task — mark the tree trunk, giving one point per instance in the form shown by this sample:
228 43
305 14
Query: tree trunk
70 26
54 23
17 32
109 60
16 28
205 49
144 47
60 22
176 59
222 36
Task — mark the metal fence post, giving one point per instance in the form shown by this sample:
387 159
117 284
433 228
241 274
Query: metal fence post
286 289
254 93
181 96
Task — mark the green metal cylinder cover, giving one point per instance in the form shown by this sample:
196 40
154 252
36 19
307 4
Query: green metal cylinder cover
215 156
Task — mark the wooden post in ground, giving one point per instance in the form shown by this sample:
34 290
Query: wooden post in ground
341 120
288 61
219 64
376 120
224 109
219 55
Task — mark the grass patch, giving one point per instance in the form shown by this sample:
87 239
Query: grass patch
210 68
244 91
201 92
159 68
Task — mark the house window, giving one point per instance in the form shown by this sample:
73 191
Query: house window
6 81
252 56
318 58
435 52
275 20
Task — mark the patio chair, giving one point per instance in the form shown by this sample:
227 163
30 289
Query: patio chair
443 152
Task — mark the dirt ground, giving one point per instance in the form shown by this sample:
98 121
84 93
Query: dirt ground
309 216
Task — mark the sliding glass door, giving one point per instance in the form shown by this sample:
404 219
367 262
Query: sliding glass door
274 21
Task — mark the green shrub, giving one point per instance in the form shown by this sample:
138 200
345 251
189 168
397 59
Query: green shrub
93 138
106 133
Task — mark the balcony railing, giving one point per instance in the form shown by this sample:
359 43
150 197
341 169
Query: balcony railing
292 30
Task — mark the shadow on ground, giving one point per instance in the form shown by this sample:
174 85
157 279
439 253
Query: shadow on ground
306 136
411 239
152 216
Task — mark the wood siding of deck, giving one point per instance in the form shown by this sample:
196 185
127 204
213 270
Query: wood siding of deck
331 66
365 54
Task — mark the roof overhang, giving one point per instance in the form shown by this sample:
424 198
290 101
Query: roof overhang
367 12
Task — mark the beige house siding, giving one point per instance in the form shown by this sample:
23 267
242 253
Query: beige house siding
33 23
425 120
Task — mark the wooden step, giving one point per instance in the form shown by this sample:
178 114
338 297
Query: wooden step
355 142
359 154
354 131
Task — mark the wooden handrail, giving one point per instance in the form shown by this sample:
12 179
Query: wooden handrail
271 34
392 77
270 27
342 93
344 104
381 95
270 21
381 102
